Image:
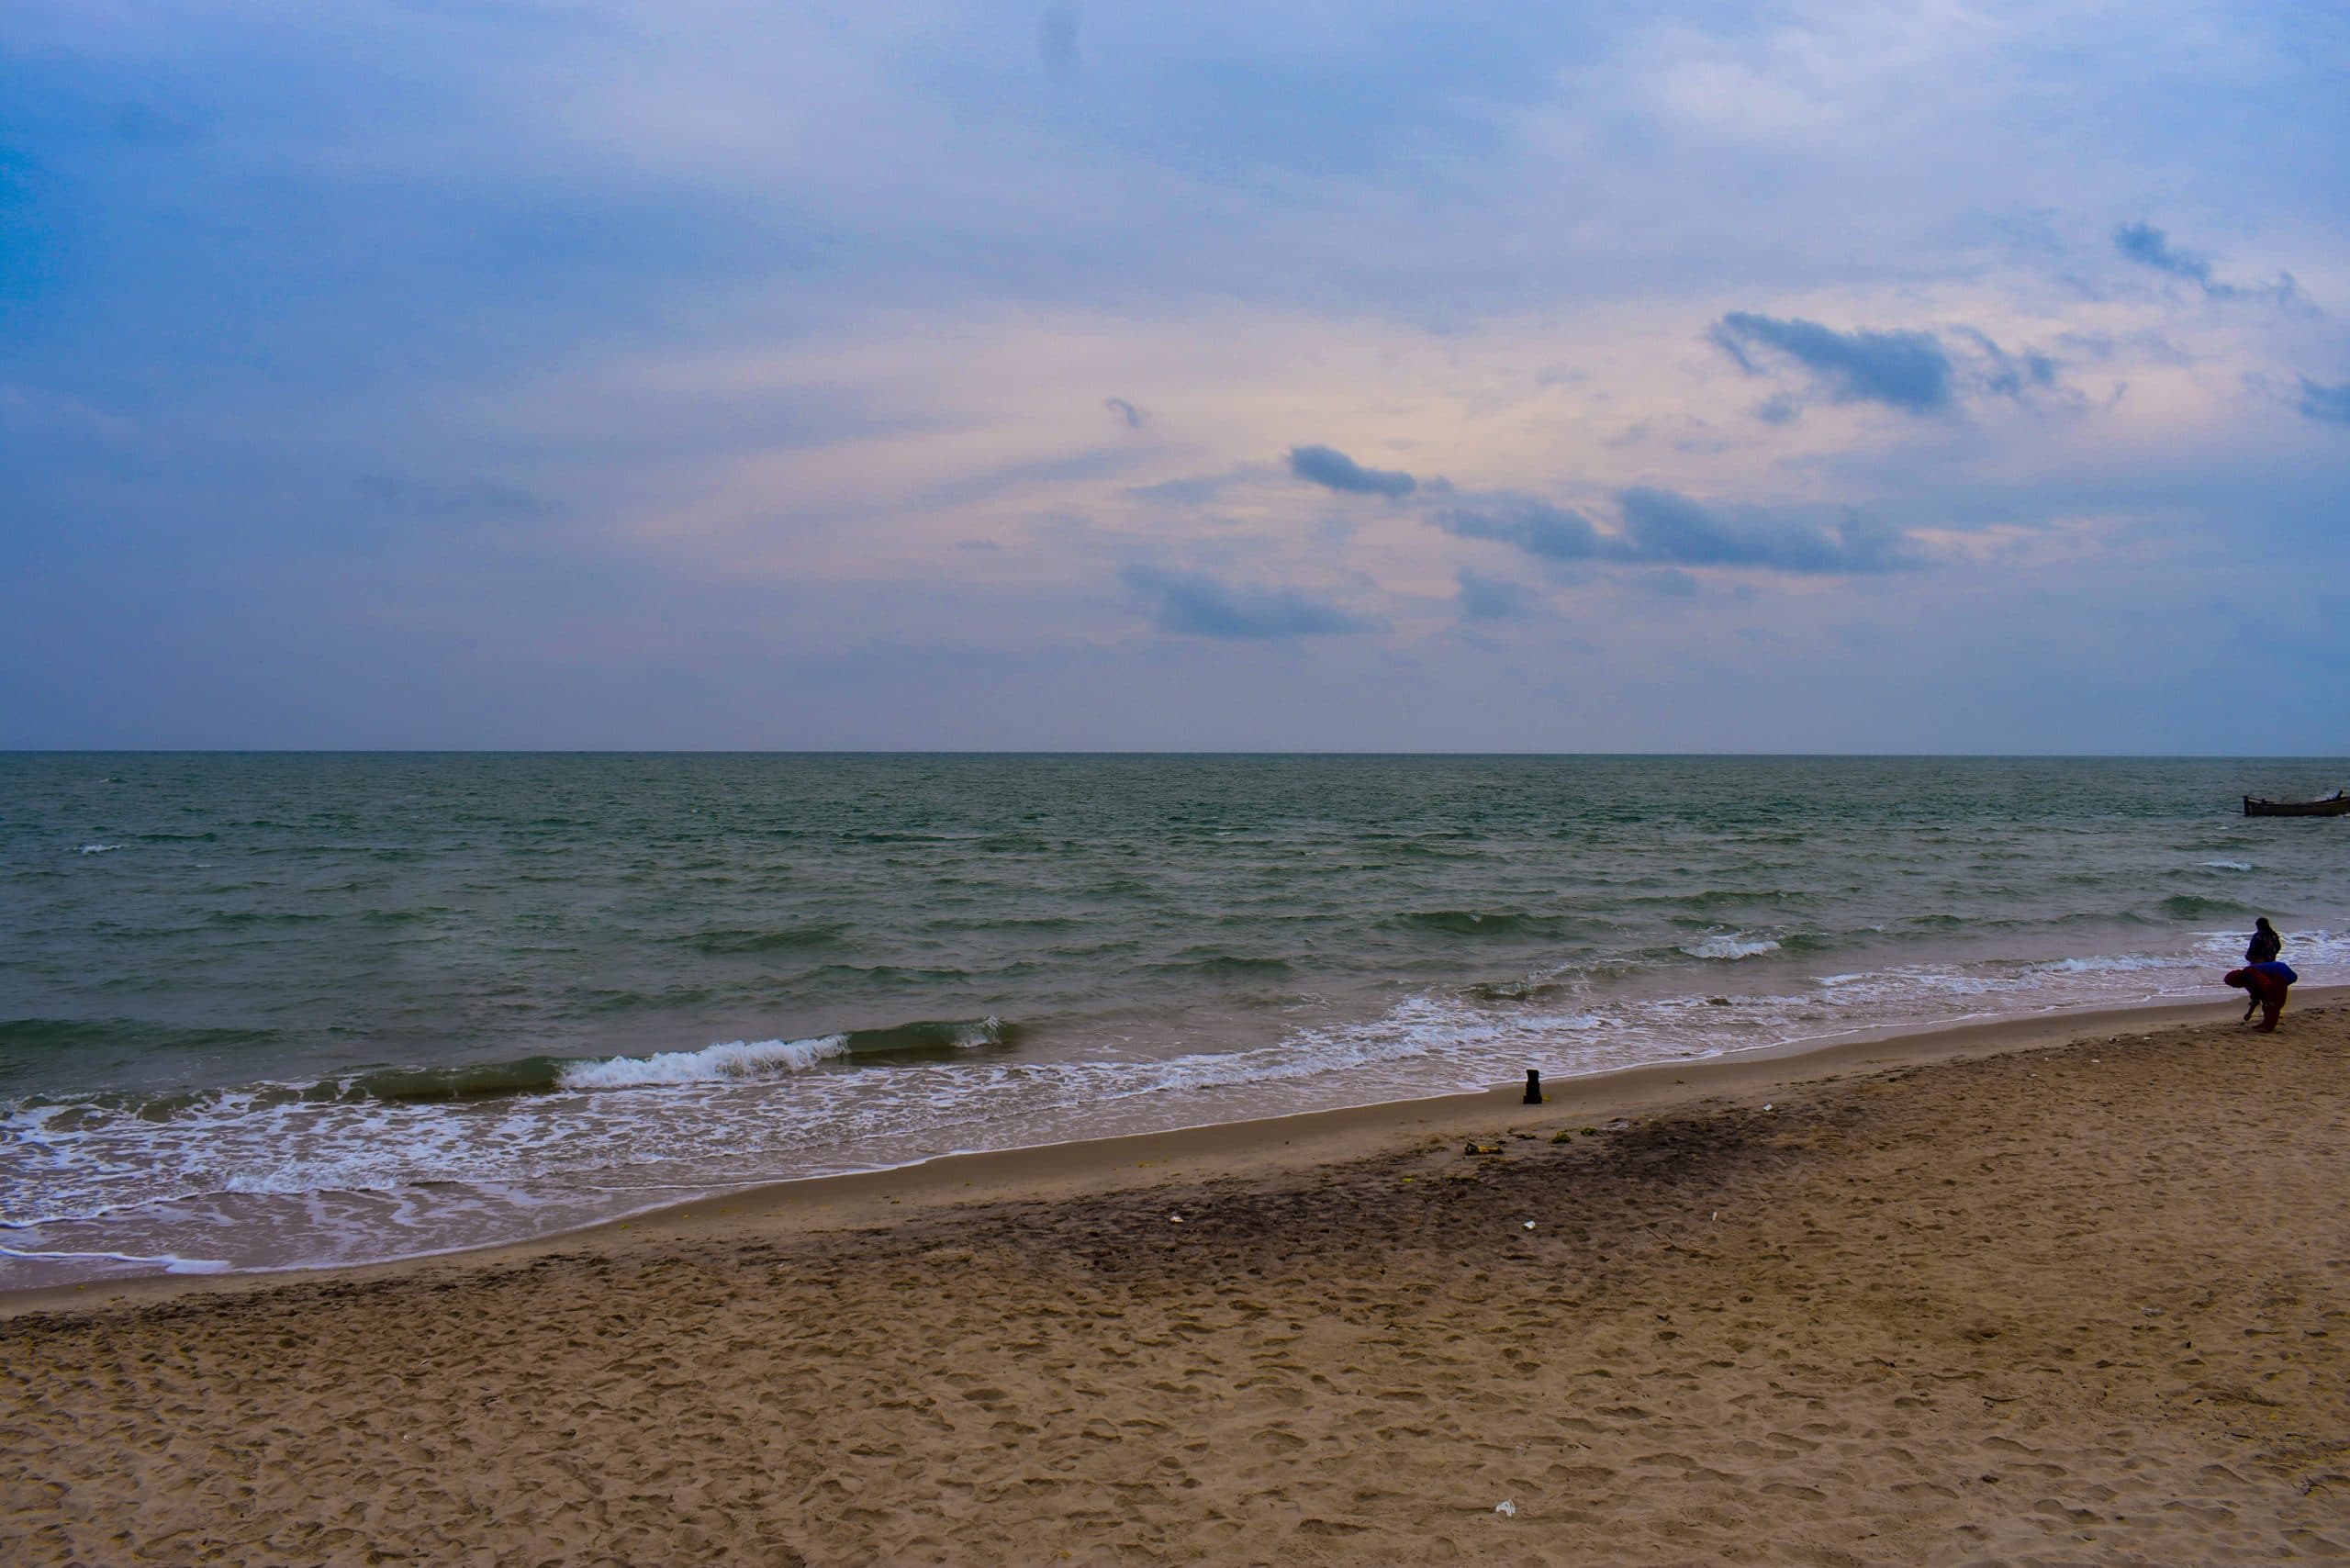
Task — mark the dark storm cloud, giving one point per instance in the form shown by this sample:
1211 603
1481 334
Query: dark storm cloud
1534 526
2016 376
2330 404
1495 599
2149 246
1664 527
1334 470
1899 369
1199 606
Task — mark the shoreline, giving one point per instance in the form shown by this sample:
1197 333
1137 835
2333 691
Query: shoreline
1244 1147
2068 1292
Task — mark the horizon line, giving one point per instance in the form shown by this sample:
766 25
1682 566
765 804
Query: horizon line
1157 752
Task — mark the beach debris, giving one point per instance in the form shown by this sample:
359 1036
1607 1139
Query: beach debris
1473 1147
1530 1224
1506 1508
1174 1219
1768 1106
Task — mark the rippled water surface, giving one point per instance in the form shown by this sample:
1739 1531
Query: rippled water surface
263 1011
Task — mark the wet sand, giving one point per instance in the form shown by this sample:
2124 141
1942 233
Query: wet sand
1970 1297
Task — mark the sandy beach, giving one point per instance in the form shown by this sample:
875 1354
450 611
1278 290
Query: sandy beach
2077 1291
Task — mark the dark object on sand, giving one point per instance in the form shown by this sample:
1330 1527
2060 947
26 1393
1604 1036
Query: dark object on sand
2265 986
2334 805
1533 1087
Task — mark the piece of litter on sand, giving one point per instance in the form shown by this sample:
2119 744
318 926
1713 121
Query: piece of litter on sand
1506 1508
1174 1219
1766 1106
1530 1224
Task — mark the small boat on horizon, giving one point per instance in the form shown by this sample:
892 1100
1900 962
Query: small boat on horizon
2334 805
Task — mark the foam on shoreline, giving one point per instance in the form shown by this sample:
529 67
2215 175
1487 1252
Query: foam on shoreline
1235 1147
2071 1303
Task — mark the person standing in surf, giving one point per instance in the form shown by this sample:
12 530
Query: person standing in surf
2265 945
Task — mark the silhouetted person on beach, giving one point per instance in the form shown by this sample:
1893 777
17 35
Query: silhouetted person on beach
2265 945
2265 985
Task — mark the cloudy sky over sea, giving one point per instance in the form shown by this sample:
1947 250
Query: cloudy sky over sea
1373 375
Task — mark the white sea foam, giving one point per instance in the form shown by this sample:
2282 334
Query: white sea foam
99 848
262 1181
2319 948
1731 947
2121 963
731 1058
171 1263
2229 865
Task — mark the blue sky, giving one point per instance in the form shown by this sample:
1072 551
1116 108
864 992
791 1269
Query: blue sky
1378 376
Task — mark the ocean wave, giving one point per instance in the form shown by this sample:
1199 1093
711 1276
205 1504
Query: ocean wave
1476 922
122 1033
763 1058
923 1039
1516 990
100 848
1225 966
1423 850
2187 906
1731 947
2229 865
714 1063
931 1035
1721 898
2117 964
759 941
2303 947
731 1058
528 1075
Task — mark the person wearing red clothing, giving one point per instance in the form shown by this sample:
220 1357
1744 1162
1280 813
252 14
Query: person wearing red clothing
2265 985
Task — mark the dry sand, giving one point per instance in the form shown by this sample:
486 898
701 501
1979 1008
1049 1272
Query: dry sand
2064 1305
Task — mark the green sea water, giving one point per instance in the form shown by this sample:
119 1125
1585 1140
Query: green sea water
265 1011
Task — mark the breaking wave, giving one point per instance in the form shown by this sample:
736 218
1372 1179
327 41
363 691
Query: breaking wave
732 1058
1731 947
